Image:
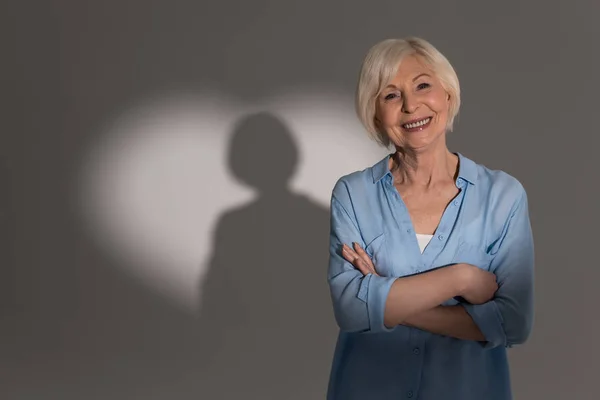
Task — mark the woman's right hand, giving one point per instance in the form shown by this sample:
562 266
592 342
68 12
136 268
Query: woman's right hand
477 285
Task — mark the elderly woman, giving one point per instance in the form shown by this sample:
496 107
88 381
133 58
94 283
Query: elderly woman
431 254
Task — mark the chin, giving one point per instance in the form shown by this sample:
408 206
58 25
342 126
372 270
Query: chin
421 142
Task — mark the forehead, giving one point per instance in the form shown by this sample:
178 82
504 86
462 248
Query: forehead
411 67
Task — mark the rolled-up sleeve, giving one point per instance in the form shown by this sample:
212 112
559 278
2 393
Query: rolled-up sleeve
358 301
507 319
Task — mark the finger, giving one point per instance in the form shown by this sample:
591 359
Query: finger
348 254
353 258
363 254
361 266
364 259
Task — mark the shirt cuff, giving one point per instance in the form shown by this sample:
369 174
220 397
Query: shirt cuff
374 291
488 319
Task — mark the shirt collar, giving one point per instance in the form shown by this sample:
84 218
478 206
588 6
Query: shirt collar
381 169
467 169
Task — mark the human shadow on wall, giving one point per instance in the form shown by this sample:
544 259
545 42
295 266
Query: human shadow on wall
267 322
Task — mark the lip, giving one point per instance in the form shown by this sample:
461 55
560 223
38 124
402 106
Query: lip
418 128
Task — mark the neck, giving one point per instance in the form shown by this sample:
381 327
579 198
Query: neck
424 168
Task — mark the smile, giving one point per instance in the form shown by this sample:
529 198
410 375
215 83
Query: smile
417 125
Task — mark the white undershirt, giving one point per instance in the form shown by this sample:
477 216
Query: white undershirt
423 240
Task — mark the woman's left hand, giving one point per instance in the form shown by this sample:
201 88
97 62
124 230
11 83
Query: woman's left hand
359 259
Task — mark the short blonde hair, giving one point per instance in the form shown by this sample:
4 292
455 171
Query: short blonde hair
380 67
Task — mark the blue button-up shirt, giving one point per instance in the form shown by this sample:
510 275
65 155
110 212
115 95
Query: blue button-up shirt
486 225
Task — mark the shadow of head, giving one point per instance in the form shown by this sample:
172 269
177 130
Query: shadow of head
262 152
265 312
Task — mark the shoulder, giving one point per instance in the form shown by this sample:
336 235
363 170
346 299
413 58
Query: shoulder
350 183
499 180
500 188
359 184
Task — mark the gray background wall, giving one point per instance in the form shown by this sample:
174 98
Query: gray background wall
76 325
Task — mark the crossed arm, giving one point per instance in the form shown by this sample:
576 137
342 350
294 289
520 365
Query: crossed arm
367 302
451 321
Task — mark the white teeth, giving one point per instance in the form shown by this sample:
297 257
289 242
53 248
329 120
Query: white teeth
417 124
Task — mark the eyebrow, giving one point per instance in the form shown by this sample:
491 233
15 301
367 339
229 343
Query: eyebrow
420 75
414 79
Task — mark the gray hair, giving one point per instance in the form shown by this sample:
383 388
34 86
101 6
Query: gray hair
380 67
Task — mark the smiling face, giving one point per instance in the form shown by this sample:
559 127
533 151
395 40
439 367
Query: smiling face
413 109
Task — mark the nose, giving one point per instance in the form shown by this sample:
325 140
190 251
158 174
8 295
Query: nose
409 104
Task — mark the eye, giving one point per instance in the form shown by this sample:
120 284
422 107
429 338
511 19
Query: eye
423 86
390 96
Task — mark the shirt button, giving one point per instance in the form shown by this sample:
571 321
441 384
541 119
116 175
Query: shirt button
441 237
409 394
455 202
417 351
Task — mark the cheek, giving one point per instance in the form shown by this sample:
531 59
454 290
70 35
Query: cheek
387 116
440 103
